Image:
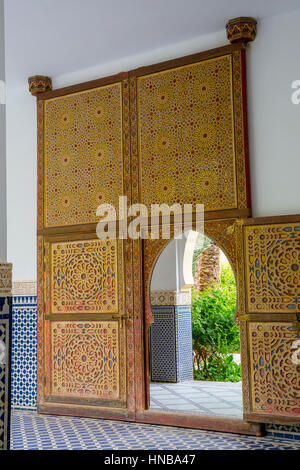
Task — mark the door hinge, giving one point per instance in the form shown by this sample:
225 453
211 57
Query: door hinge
296 324
124 319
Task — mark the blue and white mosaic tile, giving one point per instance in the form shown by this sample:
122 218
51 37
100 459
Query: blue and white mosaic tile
31 431
171 347
184 342
286 431
24 350
163 344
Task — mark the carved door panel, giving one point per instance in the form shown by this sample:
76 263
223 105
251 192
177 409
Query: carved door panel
189 132
270 318
84 283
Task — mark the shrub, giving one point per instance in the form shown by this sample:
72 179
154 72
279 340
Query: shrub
215 335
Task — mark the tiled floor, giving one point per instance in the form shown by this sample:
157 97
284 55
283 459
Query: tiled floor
198 397
31 431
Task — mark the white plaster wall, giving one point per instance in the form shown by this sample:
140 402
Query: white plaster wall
168 271
273 63
274 121
21 179
3 231
164 273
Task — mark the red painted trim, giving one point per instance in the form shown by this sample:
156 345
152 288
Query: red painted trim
245 122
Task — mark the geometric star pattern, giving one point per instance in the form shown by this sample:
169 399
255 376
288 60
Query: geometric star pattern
83 145
186 117
84 277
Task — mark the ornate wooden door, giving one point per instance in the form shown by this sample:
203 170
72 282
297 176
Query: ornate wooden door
171 132
84 283
269 295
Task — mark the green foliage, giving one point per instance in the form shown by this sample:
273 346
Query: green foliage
215 335
221 368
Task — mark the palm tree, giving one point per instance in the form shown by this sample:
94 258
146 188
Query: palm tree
206 265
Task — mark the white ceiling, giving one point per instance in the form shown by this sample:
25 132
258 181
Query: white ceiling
54 37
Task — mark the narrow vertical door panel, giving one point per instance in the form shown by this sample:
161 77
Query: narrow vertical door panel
84 282
270 320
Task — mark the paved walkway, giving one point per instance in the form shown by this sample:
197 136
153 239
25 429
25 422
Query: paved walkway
31 431
198 397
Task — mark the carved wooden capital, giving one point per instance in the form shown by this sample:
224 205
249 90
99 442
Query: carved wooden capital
39 84
241 29
5 279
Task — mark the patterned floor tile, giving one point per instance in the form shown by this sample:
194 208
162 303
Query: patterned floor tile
211 398
31 431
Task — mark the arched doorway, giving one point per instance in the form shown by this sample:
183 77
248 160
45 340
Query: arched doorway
194 346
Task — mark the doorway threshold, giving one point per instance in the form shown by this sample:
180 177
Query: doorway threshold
208 423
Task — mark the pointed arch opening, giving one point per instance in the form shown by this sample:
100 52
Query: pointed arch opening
194 344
